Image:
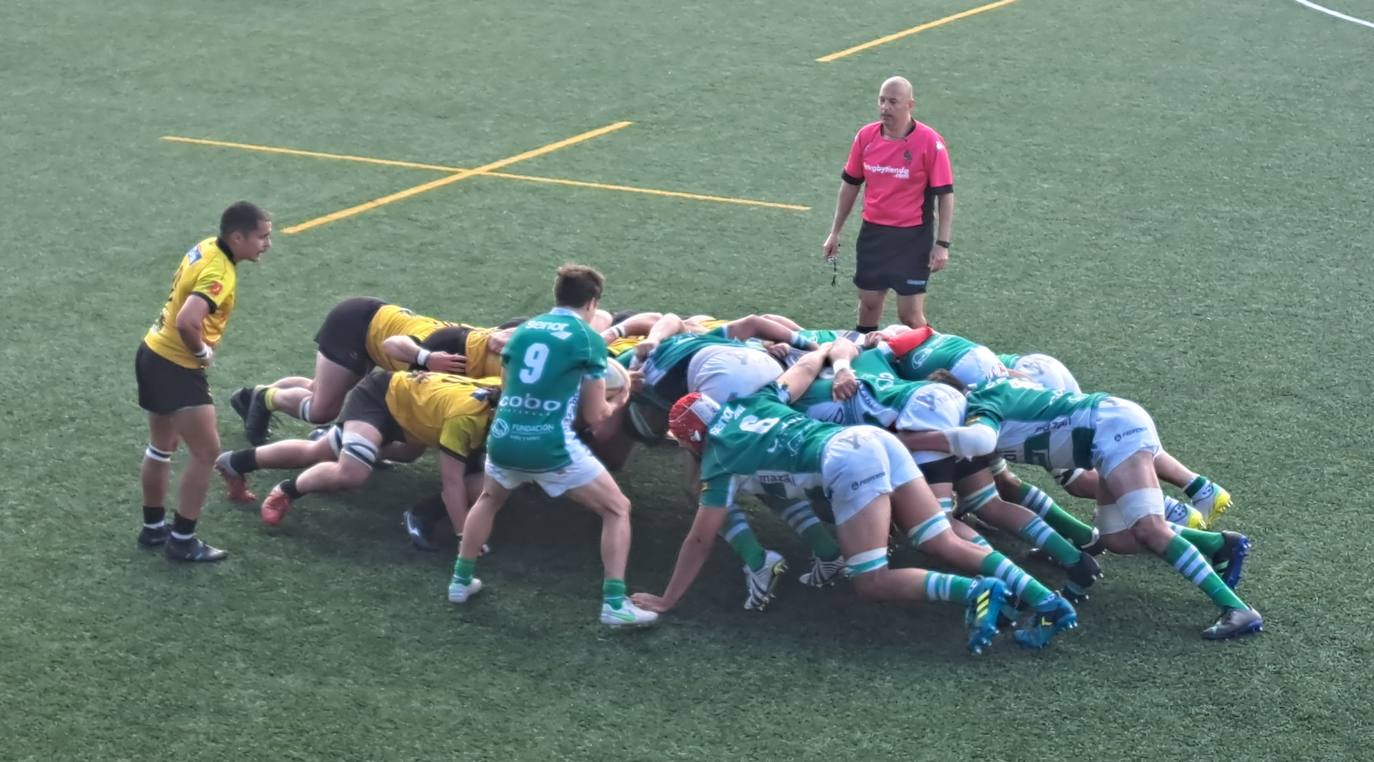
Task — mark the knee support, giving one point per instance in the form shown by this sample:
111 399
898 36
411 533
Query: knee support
928 530
867 561
975 502
1140 503
357 446
154 454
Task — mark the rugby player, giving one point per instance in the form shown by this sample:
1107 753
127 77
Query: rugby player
401 411
172 384
359 334
1023 422
871 479
881 399
556 366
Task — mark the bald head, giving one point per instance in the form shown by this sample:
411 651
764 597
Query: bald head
897 87
895 102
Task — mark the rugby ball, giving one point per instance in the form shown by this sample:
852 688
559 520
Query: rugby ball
617 378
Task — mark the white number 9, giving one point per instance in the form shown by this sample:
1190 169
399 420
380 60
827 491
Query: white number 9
535 357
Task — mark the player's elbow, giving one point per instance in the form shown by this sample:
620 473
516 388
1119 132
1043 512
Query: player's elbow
395 346
971 441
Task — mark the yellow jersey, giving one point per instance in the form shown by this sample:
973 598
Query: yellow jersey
392 320
208 272
623 344
441 410
482 361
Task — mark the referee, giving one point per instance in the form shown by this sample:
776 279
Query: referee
904 169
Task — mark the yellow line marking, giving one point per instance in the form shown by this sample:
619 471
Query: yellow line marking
309 154
453 178
914 30
650 191
502 175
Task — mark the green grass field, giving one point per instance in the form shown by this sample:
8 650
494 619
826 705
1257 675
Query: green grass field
1172 197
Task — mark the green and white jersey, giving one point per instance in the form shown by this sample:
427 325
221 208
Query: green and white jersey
546 360
1035 425
759 435
665 370
1009 360
970 362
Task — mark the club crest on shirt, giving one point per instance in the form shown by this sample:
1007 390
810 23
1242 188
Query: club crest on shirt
215 288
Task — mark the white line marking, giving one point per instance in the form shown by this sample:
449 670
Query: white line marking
1337 14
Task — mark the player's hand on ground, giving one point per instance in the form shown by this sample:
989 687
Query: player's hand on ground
939 257
650 602
846 384
445 362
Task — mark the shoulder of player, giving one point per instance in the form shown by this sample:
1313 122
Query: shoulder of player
868 133
926 136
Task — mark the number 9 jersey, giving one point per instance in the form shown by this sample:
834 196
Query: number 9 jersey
545 362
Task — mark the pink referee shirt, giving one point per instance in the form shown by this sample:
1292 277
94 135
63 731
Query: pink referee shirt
896 174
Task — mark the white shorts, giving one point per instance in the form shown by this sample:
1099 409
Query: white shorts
1048 372
724 373
582 471
933 407
861 464
1121 429
978 365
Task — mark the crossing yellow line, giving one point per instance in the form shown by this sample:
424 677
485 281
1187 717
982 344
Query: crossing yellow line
453 178
309 154
501 175
651 191
914 30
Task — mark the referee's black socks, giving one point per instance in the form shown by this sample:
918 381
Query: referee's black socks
865 329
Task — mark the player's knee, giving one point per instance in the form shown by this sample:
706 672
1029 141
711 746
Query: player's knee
868 572
320 410
1121 543
357 457
155 454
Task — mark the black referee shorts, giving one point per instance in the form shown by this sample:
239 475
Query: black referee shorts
165 387
343 337
366 402
893 258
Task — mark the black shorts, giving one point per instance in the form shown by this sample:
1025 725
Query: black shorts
366 403
165 387
964 467
939 471
343 337
893 258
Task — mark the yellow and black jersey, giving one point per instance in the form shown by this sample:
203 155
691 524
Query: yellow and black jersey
623 344
444 411
482 360
206 272
392 320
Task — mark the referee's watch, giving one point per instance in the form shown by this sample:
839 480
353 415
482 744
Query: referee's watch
942 243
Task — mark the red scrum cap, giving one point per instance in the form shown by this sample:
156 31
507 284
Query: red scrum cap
689 419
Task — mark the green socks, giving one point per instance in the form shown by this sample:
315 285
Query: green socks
1210 543
1192 565
1021 584
946 587
742 539
462 570
613 592
1042 535
1065 523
